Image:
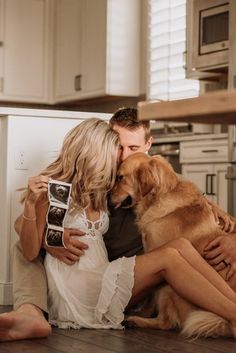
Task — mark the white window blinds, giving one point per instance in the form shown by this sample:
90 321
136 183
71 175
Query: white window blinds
167 46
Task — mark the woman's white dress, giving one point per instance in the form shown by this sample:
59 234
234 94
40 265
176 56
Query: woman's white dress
94 292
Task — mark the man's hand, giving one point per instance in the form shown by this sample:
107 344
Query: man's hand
221 253
74 248
222 218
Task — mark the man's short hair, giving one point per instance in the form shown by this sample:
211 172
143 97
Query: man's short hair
128 118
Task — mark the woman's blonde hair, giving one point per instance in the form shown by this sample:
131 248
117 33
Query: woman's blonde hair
88 160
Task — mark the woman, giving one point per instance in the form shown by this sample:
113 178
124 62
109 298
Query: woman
94 293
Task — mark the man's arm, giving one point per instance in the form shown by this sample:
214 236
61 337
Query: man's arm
226 222
221 252
74 248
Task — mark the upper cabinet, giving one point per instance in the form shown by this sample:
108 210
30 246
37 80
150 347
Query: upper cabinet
97 48
63 50
67 44
24 54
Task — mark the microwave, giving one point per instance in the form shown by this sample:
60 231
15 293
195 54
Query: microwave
207 34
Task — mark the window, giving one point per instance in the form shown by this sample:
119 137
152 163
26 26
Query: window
166 51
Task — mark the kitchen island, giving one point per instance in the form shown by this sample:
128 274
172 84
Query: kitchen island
211 108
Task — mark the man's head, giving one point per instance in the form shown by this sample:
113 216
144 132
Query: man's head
134 135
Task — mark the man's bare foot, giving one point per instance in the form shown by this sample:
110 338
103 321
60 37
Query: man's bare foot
26 322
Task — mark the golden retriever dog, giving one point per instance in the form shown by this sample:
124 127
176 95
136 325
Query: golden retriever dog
168 207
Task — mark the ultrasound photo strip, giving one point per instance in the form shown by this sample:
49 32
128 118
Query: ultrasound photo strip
59 192
59 198
55 237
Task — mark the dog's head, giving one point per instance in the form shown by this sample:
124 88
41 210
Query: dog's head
140 175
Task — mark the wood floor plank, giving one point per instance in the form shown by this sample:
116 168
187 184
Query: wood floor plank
27 346
165 341
116 341
69 344
104 341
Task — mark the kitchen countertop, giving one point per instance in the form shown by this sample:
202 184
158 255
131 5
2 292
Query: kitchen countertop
45 113
192 137
50 113
215 108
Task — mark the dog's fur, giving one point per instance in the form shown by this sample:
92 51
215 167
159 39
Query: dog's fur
168 207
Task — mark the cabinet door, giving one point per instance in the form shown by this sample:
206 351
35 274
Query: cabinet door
25 50
68 24
94 47
97 48
221 185
198 173
210 178
80 49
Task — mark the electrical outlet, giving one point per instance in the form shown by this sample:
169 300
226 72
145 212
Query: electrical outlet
21 160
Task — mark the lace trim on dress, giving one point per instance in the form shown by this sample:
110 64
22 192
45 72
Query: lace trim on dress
95 227
91 228
111 306
65 324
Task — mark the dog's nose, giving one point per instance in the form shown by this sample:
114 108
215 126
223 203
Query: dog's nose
127 202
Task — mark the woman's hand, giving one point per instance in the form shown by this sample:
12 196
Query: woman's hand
36 186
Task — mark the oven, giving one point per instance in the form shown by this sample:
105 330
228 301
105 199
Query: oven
170 151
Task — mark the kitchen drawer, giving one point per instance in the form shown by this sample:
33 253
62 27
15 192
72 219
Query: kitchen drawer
204 151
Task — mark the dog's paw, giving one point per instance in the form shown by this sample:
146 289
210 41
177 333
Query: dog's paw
129 324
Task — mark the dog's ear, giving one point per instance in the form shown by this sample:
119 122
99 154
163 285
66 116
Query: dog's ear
163 174
156 175
145 179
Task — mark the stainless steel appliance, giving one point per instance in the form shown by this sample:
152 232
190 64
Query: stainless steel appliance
207 35
170 151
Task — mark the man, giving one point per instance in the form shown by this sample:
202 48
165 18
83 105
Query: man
28 320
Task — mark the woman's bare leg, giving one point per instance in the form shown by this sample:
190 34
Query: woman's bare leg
195 259
169 264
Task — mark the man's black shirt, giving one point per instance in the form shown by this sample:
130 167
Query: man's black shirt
122 237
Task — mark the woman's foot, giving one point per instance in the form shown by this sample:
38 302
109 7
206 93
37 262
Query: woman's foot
26 322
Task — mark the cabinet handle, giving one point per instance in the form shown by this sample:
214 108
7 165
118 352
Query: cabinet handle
209 184
78 83
210 151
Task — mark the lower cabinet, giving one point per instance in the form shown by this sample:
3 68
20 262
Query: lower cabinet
210 178
205 163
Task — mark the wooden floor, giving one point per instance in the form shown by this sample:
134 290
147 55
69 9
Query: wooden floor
110 341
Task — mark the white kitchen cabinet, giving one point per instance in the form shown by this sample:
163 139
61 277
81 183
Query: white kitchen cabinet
205 163
24 55
97 48
210 178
